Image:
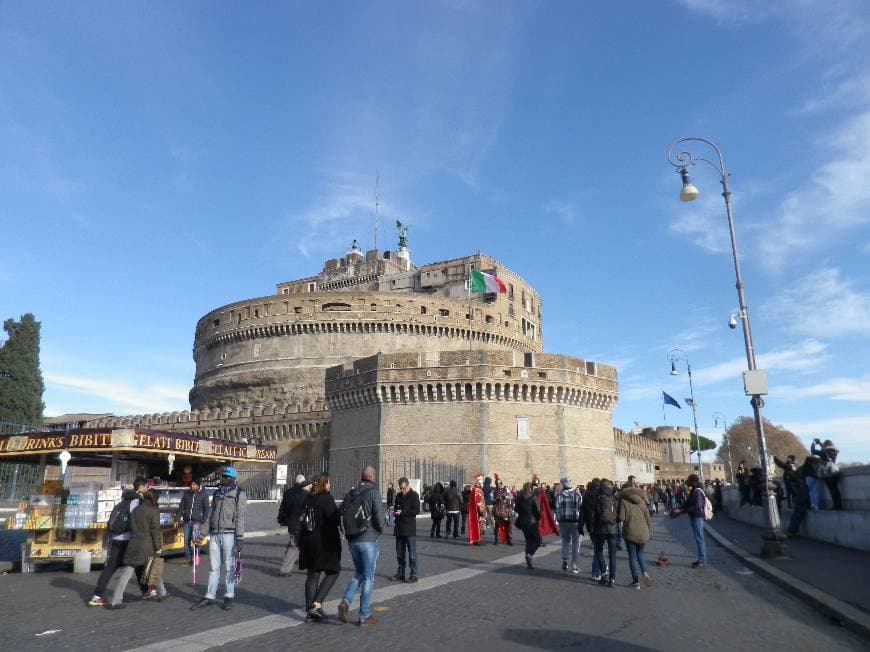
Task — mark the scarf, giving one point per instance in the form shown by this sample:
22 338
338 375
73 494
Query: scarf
223 490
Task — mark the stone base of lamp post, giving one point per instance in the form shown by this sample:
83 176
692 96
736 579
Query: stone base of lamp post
773 545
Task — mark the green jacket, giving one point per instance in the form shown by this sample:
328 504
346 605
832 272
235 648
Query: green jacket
633 512
146 539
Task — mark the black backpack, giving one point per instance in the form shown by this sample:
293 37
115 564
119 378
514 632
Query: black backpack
354 519
119 519
606 508
308 520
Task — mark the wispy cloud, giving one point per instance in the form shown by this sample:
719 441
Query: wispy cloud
823 304
565 212
802 357
730 11
837 389
848 433
119 395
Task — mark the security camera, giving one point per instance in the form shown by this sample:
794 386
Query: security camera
732 323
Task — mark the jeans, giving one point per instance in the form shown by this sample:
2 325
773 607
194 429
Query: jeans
635 559
610 540
454 517
436 527
464 514
698 531
220 552
570 543
411 544
126 573
191 533
116 554
316 589
833 485
365 560
815 487
291 555
533 539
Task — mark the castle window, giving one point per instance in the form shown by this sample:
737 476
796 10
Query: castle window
312 287
443 312
297 310
336 307
374 307
216 322
522 427
490 319
590 368
511 291
285 290
422 310
256 312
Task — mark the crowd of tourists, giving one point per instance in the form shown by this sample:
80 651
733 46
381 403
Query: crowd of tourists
485 510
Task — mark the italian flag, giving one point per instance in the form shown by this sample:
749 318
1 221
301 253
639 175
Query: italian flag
481 282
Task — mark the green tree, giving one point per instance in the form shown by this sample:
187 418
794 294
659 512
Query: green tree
21 385
740 439
706 444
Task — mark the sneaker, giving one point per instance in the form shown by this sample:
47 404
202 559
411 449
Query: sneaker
411 580
149 594
647 580
97 601
575 570
228 604
635 585
529 561
610 582
367 622
603 580
564 565
596 578
397 578
205 602
699 564
343 608
315 614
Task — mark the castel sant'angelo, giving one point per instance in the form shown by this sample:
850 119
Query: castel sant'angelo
376 358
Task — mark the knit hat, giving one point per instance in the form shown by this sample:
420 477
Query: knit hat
566 481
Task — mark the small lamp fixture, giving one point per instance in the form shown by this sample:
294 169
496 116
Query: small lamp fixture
688 192
171 459
674 371
64 457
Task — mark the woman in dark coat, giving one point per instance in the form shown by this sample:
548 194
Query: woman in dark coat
528 513
437 508
319 547
145 542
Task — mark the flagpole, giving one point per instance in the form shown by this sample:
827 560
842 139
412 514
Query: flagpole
470 312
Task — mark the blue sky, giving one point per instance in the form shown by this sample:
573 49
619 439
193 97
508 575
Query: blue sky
162 159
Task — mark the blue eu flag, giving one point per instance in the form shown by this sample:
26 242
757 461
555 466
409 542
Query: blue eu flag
670 400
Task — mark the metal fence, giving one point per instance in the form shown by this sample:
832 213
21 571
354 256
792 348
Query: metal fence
18 481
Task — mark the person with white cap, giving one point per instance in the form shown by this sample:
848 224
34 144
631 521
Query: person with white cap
292 504
568 504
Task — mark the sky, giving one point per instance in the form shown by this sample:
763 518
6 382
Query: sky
162 159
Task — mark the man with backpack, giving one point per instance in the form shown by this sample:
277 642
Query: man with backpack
604 517
362 521
289 513
698 508
407 508
118 527
226 525
568 506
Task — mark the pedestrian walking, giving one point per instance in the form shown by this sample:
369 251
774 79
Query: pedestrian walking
362 521
590 500
695 507
292 504
146 543
453 500
568 508
225 527
488 502
502 512
119 529
407 508
636 531
604 518
319 546
192 512
528 513
466 499
437 510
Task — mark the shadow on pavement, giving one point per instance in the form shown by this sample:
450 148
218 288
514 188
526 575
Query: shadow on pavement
562 639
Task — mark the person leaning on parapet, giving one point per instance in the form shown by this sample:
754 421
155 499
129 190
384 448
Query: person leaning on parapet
226 525
192 512
288 516
829 472
362 520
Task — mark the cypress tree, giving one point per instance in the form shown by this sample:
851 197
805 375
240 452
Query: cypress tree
21 385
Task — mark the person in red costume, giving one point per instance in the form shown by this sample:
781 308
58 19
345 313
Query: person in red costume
547 523
476 513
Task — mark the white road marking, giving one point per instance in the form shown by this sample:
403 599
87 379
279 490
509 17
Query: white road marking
266 624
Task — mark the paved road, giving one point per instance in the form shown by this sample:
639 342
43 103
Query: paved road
470 598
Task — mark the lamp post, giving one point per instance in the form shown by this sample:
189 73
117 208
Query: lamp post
754 380
673 356
716 417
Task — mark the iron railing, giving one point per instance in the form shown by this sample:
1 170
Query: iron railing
18 481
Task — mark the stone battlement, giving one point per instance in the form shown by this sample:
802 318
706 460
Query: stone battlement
471 376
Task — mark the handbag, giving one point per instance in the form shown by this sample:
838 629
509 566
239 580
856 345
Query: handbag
153 573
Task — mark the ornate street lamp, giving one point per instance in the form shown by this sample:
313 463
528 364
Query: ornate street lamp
754 380
673 356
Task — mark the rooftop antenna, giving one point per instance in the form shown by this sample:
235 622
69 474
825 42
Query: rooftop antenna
377 202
